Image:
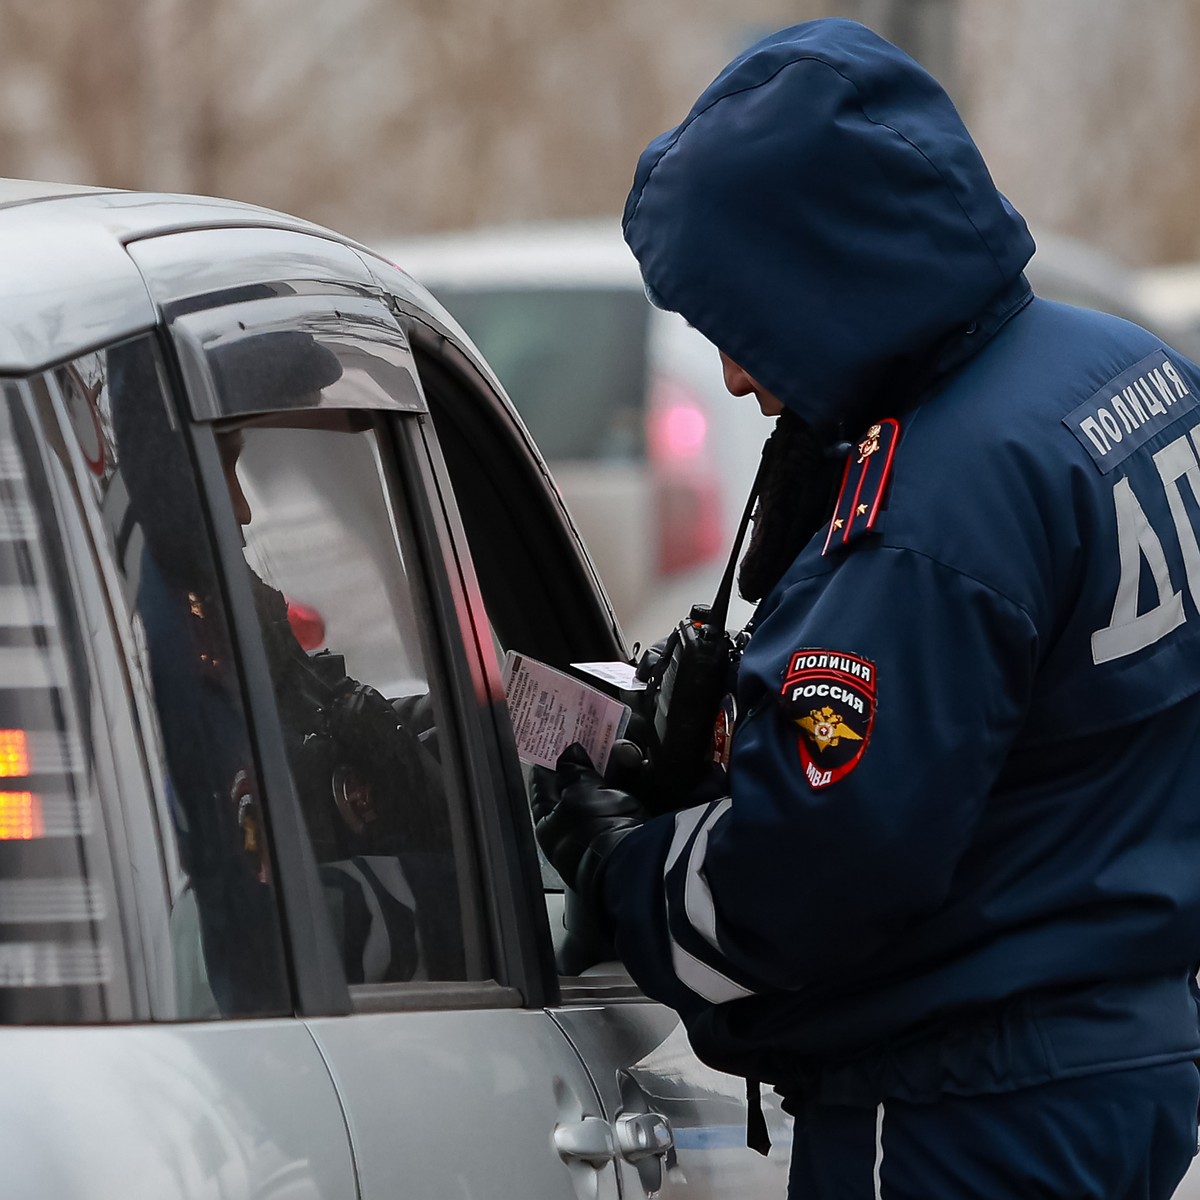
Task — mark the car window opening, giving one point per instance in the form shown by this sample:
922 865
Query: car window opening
334 597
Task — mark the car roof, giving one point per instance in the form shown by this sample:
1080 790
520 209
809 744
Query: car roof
141 212
22 191
68 283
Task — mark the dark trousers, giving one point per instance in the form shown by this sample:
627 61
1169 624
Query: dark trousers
1125 1135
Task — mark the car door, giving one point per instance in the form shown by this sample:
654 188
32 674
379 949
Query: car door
412 912
680 1127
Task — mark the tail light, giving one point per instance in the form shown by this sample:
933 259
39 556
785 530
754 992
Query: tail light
52 916
21 817
687 487
14 753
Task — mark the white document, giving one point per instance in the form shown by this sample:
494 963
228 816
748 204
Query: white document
620 673
550 710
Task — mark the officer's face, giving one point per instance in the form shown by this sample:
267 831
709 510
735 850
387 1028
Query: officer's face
740 383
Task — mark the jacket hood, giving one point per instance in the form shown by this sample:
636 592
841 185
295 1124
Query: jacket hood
824 218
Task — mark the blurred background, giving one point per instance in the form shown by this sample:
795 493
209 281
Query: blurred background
488 146
381 117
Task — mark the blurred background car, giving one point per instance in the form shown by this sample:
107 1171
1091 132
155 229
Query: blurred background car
1171 294
1073 271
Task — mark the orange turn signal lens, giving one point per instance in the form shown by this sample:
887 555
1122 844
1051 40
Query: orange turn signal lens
21 816
14 753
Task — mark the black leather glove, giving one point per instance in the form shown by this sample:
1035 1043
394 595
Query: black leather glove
579 820
629 769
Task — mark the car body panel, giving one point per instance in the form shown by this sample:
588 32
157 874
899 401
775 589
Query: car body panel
65 288
185 1112
463 1104
640 1058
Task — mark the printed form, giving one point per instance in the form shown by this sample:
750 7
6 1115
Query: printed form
550 710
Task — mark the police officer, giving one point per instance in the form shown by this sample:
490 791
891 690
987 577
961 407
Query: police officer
950 908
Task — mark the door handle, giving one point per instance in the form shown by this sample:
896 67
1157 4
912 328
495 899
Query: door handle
588 1141
642 1135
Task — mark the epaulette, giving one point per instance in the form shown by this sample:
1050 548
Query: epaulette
864 485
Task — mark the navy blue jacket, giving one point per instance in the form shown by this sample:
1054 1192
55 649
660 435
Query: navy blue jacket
962 846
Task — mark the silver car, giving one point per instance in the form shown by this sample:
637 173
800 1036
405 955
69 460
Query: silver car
272 919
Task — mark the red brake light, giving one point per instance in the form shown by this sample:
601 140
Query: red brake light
687 487
679 431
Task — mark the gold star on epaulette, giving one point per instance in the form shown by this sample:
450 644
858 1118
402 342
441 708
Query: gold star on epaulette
838 523
862 508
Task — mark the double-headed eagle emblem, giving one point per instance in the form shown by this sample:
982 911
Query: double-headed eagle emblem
826 727
870 444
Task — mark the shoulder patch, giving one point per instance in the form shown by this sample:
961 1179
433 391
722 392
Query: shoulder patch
830 696
1130 409
864 483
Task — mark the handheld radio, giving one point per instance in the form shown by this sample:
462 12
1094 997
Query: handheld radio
687 678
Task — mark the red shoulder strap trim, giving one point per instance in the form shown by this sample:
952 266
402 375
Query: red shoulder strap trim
864 483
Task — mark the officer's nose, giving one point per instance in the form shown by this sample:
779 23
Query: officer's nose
737 382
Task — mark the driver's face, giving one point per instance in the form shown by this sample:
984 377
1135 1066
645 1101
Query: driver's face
230 446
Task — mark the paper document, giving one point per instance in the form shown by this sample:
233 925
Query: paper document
550 710
620 673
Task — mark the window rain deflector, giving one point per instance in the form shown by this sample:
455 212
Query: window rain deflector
296 352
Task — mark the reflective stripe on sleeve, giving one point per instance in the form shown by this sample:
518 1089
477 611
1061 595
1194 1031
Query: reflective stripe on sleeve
685 825
697 896
700 978
692 826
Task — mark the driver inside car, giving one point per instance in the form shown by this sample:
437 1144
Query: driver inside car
369 788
